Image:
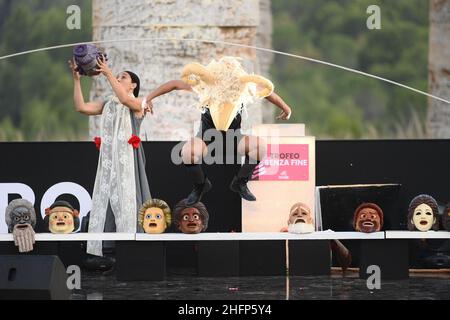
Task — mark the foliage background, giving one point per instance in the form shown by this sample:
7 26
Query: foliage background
36 89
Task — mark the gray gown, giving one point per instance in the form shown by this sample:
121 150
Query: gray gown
118 192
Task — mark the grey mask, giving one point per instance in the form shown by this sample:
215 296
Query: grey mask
20 211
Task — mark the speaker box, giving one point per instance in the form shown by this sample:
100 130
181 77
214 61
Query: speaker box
32 277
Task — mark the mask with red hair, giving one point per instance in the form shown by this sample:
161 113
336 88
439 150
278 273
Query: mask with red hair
368 218
61 217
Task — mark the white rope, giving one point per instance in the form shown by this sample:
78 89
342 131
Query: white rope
236 45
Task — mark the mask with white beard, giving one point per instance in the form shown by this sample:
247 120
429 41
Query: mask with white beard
300 219
301 228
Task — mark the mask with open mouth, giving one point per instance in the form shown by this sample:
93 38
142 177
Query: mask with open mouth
155 216
20 211
61 217
20 218
368 217
191 219
300 219
423 213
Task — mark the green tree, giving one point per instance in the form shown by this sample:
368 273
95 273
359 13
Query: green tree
36 89
337 104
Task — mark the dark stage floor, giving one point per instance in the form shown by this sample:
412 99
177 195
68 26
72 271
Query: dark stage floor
96 286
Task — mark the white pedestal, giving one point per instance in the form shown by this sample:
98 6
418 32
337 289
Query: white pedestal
277 193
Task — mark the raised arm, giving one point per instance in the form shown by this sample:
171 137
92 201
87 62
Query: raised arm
89 108
285 109
166 88
135 104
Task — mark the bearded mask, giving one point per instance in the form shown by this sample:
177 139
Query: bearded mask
61 217
223 87
423 213
191 219
155 216
368 218
20 218
20 211
300 219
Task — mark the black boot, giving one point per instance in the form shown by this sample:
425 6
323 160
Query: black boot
199 190
201 183
196 173
239 185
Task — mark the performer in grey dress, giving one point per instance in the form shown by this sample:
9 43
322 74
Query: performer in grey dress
121 184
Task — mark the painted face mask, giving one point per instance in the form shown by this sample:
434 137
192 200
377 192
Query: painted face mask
20 211
61 217
20 218
155 216
423 214
368 218
223 87
300 219
191 219
423 218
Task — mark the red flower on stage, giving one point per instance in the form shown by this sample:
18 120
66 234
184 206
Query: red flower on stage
134 141
98 142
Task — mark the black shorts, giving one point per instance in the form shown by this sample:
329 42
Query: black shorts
207 123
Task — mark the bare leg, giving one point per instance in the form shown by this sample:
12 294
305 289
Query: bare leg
193 151
254 147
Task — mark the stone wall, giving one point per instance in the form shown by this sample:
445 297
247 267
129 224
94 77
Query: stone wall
438 122
159 60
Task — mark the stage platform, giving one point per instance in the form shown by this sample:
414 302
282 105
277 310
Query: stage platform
237 236
35 168
235 254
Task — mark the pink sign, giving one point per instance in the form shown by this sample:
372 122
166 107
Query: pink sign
284 162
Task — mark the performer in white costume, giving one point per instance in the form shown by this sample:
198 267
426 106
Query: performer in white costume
223 89
121 184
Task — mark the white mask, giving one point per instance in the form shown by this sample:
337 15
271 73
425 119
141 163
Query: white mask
423 217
